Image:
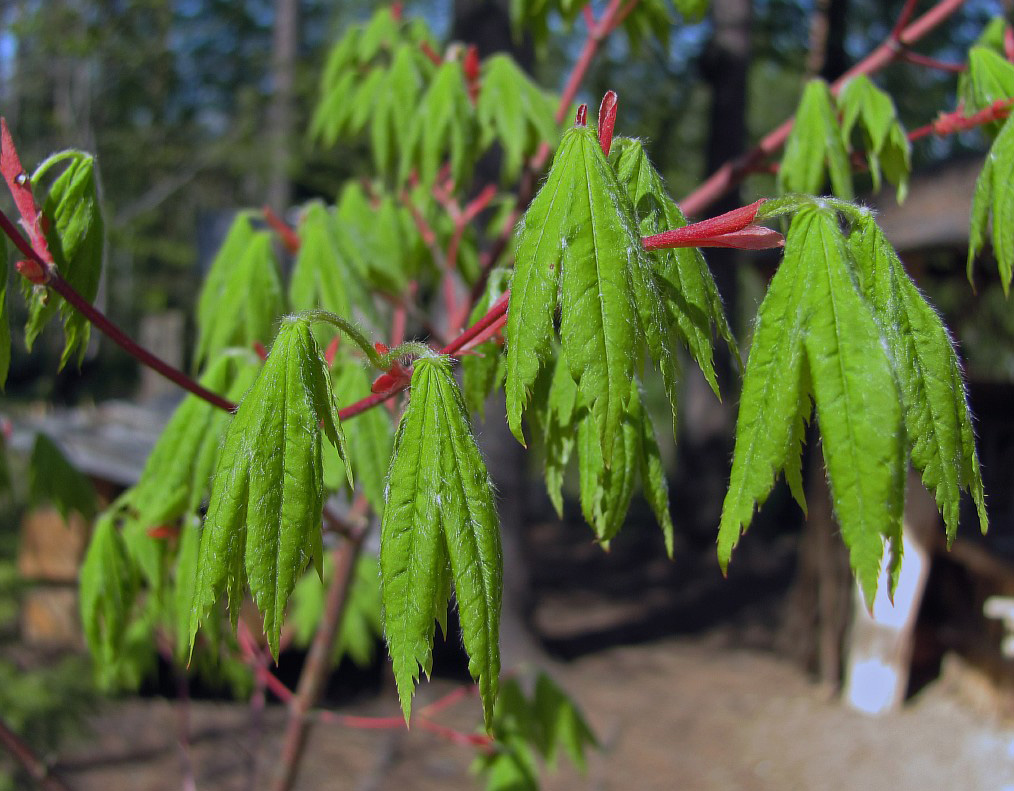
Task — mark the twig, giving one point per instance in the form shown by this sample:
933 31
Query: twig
37 769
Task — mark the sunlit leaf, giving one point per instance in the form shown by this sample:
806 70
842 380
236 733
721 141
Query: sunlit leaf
439 508
937 418
815 147
264 521
75 238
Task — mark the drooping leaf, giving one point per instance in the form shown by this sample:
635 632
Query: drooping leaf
866 107
815 147
53 480
581 223
692 304
241 299
558 426
177 474
857 400
264 521
322 275
993 202
772 393
442 129
990 77
75 238
483 371
378 238
439 508
395 104
561 723
107 589
937 419
515 112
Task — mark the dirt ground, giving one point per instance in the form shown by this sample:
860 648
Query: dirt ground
674 714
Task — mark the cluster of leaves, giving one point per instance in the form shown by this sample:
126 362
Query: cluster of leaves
843 327
525 728
820 145
420 109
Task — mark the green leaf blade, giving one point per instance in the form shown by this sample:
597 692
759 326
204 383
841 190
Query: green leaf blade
858 404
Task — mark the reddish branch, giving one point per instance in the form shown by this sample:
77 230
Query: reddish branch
731 173
29 761
952 123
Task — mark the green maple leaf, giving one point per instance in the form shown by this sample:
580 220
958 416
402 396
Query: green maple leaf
993 206
866 107
264 522
242 296
815 146
75 238
440 524
937 418
816 335
578 236
443 128
513 111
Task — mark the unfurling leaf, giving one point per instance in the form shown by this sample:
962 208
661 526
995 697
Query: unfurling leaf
691 302
578 235
264 522
108 587
440 512
866 107
993 204
815 146
242 296
937 418
817 336
74 238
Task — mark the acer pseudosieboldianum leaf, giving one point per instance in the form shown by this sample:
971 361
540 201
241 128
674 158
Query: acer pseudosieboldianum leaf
937 418
264 522
816 337
242 296
53 480
815 146
440 525
578 237
108 587
691 303
993 206
867 108
75 239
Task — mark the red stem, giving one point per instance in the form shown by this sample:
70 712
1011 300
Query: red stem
931 63
732 172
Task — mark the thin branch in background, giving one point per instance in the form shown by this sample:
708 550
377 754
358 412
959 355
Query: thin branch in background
931 63
318 659
36 768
